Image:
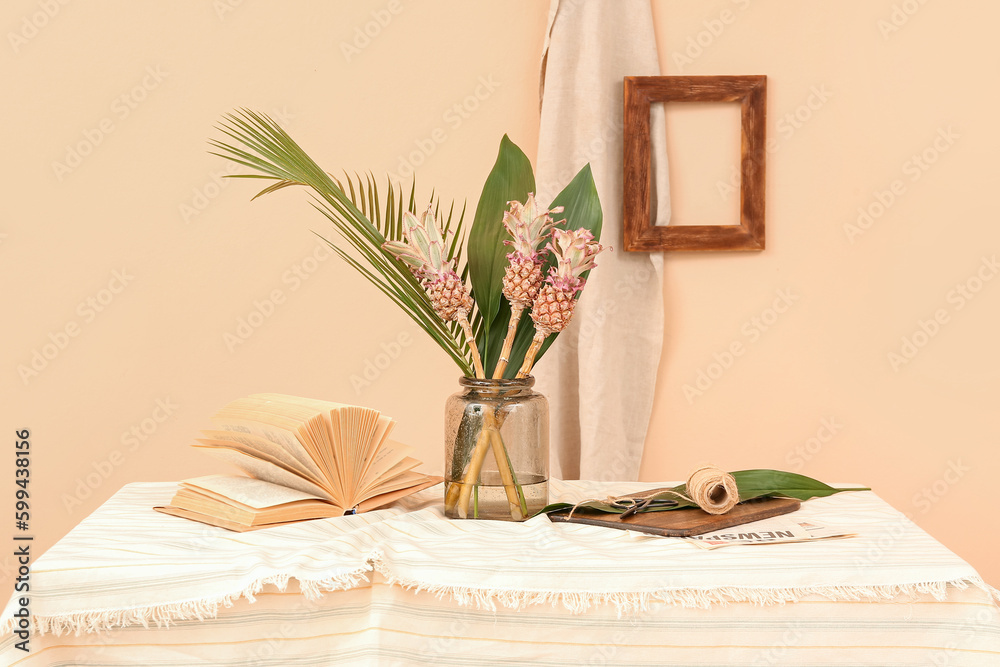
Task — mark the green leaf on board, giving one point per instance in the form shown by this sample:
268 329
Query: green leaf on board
758 483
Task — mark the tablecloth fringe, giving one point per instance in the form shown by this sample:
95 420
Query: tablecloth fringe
162 615
483 598
630 602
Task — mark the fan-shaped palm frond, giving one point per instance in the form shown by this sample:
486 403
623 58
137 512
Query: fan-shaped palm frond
357 214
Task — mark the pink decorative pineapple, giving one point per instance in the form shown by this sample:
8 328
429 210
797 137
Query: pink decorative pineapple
425 254
522 279
575 252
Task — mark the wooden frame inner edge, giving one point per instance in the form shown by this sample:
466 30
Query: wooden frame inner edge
640 92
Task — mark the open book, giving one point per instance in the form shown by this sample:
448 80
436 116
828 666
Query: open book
307 459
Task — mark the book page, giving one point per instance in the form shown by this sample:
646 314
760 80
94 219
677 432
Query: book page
336 435
313 404
195 500
345 446
314 433
388 455
278 418
267 471
363 427
315 436
237 421
247 523
220 510
311 431
264 449
373 449
247 491
405 465
274 412
218 522
341 453
402 481
391 496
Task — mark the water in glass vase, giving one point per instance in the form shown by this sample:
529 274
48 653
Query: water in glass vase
489 498
496 433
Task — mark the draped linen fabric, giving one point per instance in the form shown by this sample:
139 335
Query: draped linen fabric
600 376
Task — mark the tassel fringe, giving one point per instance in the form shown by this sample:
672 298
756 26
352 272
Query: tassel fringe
484 598
91 621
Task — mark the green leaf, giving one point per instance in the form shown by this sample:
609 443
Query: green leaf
510 179
582 208
758 483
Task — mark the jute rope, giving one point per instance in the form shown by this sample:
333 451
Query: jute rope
708 487
713 490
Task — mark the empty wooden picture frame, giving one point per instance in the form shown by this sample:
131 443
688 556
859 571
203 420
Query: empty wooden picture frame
640 92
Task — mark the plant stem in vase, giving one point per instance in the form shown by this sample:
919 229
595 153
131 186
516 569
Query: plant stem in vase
510 420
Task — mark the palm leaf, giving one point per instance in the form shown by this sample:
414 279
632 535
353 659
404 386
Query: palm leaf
262 145
393 231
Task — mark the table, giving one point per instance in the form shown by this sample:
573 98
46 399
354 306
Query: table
403 586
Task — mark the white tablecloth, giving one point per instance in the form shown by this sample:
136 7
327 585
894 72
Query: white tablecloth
408 587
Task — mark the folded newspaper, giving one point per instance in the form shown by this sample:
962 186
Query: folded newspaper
769 531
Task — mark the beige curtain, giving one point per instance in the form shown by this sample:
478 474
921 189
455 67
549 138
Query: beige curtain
601 374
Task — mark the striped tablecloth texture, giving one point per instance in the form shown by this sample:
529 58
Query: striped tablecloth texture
409 587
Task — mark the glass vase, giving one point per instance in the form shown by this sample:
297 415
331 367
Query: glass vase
496 450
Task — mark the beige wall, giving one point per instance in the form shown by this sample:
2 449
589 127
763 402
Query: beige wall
142 83
921 431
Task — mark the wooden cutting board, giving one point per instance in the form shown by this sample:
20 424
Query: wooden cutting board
685 522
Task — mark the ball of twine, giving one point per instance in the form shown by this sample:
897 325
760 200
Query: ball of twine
714 490
708 487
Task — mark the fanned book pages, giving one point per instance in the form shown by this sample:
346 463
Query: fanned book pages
306 459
